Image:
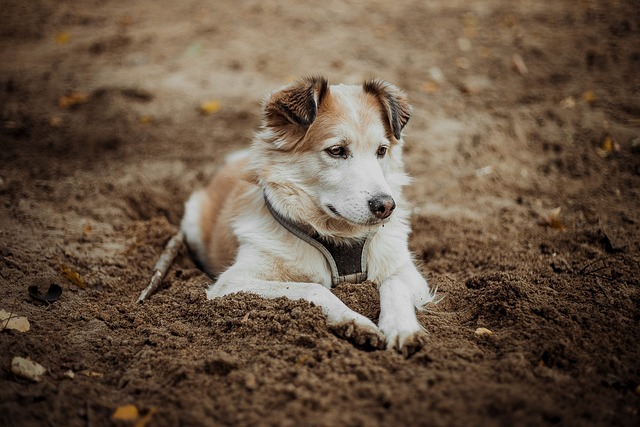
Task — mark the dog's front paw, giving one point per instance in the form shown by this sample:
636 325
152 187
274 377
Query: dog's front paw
360 333
411 344
407 342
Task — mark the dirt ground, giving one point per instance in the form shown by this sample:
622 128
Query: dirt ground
524 146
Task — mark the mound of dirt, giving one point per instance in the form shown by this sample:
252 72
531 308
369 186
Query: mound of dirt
524 146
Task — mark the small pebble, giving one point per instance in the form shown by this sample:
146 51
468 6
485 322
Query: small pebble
250 381
483 331
28 369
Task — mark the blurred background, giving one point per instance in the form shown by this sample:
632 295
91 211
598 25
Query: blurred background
524 146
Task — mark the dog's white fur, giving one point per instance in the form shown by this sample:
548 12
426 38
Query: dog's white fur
235 237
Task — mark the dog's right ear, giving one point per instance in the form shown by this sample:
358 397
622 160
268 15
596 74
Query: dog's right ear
290 111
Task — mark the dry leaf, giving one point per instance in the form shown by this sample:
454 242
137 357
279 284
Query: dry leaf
13 322
126 413
28 369
146 120
130 413
589 97
608 146
430 87
73 276
55 121
209 107
72 99
483 331
552 219
63 37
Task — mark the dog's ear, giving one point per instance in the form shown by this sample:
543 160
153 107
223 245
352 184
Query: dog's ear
394 102
290 111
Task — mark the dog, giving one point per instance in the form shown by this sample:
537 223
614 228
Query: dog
316 201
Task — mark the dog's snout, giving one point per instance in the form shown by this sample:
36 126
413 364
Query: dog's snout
382 206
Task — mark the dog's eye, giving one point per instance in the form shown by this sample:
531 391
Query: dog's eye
382 151
337 151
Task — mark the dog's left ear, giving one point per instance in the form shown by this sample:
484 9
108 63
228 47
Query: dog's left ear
395 104
290 111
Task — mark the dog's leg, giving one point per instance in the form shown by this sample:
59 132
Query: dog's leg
341 319
400 295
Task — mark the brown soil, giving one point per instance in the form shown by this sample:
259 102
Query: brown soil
99 186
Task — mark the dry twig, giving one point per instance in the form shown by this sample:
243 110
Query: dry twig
162 266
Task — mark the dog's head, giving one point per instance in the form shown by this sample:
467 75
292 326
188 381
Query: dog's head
330 156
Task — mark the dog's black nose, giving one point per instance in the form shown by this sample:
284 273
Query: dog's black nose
382 205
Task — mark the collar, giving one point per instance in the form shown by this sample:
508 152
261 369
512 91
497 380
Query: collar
348 262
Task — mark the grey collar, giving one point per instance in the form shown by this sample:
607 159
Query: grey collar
348 262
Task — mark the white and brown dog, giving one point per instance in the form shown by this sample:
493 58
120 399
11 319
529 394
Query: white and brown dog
314 202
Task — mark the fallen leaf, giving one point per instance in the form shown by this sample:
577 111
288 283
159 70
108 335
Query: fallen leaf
130 413
608 146
73 276
483 331
589 97
552 219
63 37
126 413
55 122
72 99
146 120
430 87
28 369
13 322
209 107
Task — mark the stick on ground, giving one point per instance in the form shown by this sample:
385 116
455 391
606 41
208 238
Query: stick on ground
163 265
